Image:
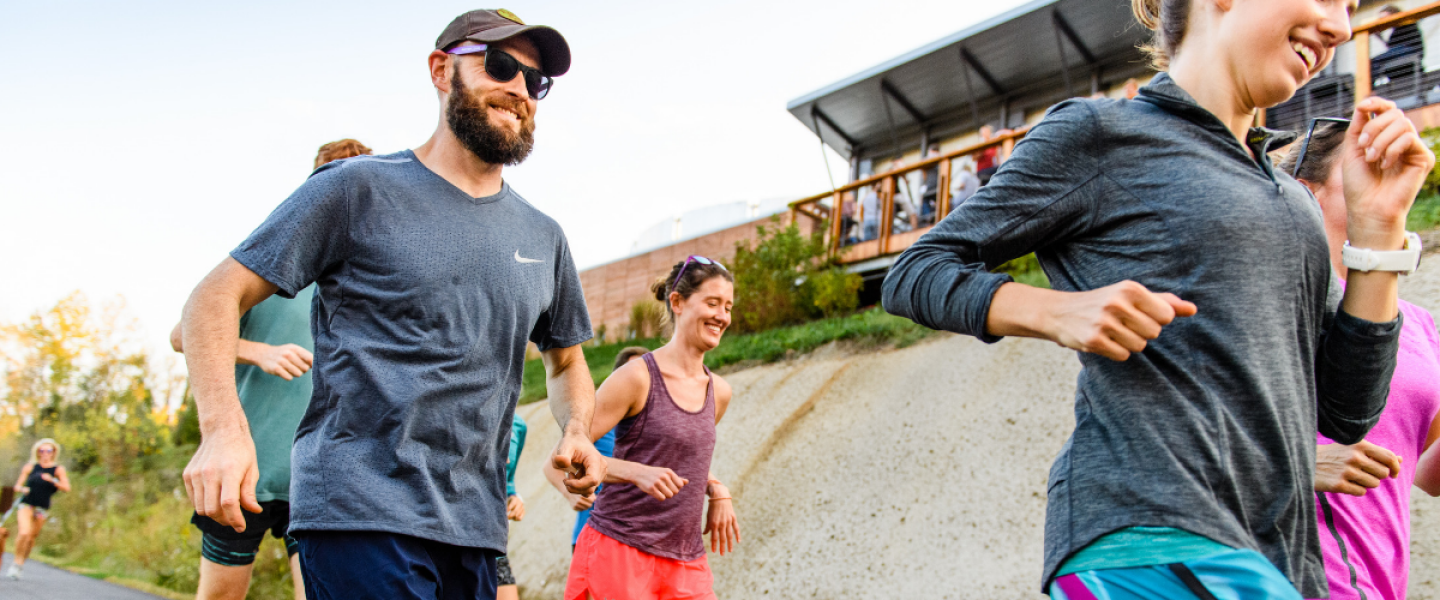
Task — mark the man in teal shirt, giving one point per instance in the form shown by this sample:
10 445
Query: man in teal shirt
272 377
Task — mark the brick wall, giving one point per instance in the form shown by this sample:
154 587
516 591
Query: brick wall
612 288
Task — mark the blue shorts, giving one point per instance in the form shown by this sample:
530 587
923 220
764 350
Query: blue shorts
374 565
1234 575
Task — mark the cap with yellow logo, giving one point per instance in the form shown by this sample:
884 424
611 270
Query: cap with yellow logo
489 26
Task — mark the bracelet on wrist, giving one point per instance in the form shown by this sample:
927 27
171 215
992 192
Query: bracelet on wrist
725 498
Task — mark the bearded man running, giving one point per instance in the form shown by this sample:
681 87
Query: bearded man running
431 274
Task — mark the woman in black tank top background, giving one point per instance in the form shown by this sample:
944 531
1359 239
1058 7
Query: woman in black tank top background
645 539
41 478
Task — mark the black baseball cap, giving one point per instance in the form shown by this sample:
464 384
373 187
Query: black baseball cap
488 26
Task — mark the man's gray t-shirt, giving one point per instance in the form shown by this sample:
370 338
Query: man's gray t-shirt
426 297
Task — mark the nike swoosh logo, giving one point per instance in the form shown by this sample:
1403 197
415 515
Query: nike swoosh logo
522 260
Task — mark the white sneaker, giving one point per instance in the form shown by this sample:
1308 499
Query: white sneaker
14 572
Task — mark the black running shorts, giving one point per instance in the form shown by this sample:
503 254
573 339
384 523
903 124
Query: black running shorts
222 545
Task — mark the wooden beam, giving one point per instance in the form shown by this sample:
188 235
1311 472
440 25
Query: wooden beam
1396 20
974 63
1074 39
894 94
942 195
1362 67
887 211
824 118
1361 35
806 212
1064 60
999 140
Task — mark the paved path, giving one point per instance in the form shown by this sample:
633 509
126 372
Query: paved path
43 582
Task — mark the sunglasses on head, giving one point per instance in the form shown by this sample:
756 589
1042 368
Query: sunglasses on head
697 259
502 67
1310 133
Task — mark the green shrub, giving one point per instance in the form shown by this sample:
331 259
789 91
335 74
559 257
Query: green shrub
647 317
769 274
1425 214
1431 137
783 277
835 292
187 422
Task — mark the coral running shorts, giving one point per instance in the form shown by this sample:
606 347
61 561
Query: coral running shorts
605 569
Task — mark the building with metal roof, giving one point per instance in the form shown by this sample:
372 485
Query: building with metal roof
1006 71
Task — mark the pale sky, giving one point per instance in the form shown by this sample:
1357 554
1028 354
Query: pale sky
141 141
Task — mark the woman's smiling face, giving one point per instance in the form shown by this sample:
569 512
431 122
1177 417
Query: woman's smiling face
705 315
1273 47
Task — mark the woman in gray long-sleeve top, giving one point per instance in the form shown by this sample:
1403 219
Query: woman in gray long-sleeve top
1194 280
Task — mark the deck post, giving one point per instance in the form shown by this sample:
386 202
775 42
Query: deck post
1362 66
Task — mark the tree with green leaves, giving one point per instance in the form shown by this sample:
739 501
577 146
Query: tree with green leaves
79 376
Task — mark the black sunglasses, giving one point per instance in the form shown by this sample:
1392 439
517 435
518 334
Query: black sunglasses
1310 133
502 67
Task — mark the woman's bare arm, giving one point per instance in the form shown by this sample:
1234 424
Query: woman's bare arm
286 361
62 480
723 392
24 474
622 395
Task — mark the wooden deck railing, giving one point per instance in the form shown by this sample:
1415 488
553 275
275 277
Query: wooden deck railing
822 207
1361 35
888 242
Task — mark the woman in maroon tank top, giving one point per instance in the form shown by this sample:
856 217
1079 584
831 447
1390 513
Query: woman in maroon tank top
644 540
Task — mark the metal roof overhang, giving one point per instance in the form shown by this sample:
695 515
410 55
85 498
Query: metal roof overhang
954 84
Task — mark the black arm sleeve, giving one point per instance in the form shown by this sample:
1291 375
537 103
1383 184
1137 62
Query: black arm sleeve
1356 362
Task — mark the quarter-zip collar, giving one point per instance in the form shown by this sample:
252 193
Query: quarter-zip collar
1162 91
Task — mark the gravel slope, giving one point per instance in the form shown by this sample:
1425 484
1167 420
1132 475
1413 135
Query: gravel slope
913 473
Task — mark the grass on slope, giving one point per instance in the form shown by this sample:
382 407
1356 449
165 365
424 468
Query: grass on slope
873 326
1424 214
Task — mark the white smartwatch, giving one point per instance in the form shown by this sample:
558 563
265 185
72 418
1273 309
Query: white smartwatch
1403 261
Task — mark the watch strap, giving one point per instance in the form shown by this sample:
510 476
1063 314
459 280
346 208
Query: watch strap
1403 261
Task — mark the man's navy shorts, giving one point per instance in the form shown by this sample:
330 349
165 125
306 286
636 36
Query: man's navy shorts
366 565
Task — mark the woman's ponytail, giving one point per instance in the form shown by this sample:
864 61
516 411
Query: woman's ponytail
1147 12
1168 19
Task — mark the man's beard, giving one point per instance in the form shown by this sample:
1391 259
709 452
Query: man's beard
469 119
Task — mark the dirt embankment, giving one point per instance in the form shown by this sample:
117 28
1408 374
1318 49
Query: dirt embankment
914 473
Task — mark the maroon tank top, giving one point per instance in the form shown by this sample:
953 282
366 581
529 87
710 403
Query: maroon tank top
661 435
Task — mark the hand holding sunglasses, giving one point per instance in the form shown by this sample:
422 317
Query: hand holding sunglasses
502 67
